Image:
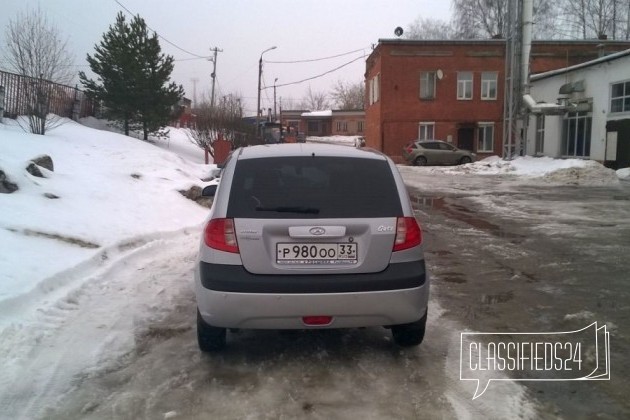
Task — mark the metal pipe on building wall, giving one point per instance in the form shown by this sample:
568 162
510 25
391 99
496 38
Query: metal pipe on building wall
528 23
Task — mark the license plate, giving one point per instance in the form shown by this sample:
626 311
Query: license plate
316 254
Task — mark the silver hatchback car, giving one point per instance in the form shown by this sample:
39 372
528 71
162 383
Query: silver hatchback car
310 236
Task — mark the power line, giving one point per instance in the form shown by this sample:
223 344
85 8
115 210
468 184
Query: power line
192 58
315 59
319 75
167 41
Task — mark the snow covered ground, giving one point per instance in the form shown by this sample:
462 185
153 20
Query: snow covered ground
112 192
83 272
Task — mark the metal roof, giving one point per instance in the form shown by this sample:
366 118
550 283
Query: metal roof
604 59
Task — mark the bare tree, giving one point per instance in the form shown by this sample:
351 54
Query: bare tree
314 101
223 121
596 18
546 16
489 18
349 95
289 103
480 18
428 28
34 48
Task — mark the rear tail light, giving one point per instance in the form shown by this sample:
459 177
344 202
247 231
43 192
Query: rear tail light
220 234
317 320
408 233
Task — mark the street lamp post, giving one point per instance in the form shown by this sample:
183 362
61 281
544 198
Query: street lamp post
258 103
275 118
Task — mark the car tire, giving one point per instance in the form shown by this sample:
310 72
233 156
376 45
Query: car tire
420 161
412 334
210 338
464 160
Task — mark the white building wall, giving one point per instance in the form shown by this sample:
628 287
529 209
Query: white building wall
597 82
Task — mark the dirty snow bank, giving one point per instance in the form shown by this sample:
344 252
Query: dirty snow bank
545 169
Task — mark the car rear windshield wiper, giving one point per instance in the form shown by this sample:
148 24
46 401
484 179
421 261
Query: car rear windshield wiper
287 209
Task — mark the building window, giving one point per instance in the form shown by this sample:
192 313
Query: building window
374 89
485 137
426 131
427 85
620 97
464 85
576 134
540 134
313 127
371 91
489 86
360 126
342 126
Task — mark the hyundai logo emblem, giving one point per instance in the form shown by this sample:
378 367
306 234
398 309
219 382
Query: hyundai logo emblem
317 231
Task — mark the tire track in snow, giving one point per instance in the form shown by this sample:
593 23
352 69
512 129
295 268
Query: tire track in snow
91 327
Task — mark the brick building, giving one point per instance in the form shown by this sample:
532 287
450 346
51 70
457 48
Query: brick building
452 90
348 122
325 123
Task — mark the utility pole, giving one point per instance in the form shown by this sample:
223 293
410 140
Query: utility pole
214 73
194 81
258 110
274 100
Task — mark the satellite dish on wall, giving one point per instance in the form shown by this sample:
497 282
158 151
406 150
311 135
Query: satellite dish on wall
398 31
440 74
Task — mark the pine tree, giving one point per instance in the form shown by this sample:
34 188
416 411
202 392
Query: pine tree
132 77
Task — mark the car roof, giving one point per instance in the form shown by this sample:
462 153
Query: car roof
306 149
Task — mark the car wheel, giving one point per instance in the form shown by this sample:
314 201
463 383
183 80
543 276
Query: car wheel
412 334
420 161
209 338
464 160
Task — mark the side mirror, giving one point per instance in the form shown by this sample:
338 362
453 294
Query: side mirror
209 191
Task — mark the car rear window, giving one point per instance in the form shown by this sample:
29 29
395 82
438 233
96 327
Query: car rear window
313 187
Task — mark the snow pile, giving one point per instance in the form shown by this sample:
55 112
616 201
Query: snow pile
591 174
623 173
108 193
557 171
341 140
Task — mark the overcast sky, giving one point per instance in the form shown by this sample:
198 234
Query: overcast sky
300 29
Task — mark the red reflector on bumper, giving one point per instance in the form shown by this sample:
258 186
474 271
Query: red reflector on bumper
317 320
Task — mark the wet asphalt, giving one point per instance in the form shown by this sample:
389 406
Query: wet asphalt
517 257
505 256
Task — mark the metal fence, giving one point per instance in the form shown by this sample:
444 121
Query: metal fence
62 100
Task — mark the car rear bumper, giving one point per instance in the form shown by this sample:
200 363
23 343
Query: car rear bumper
280 302
286 311
234 278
